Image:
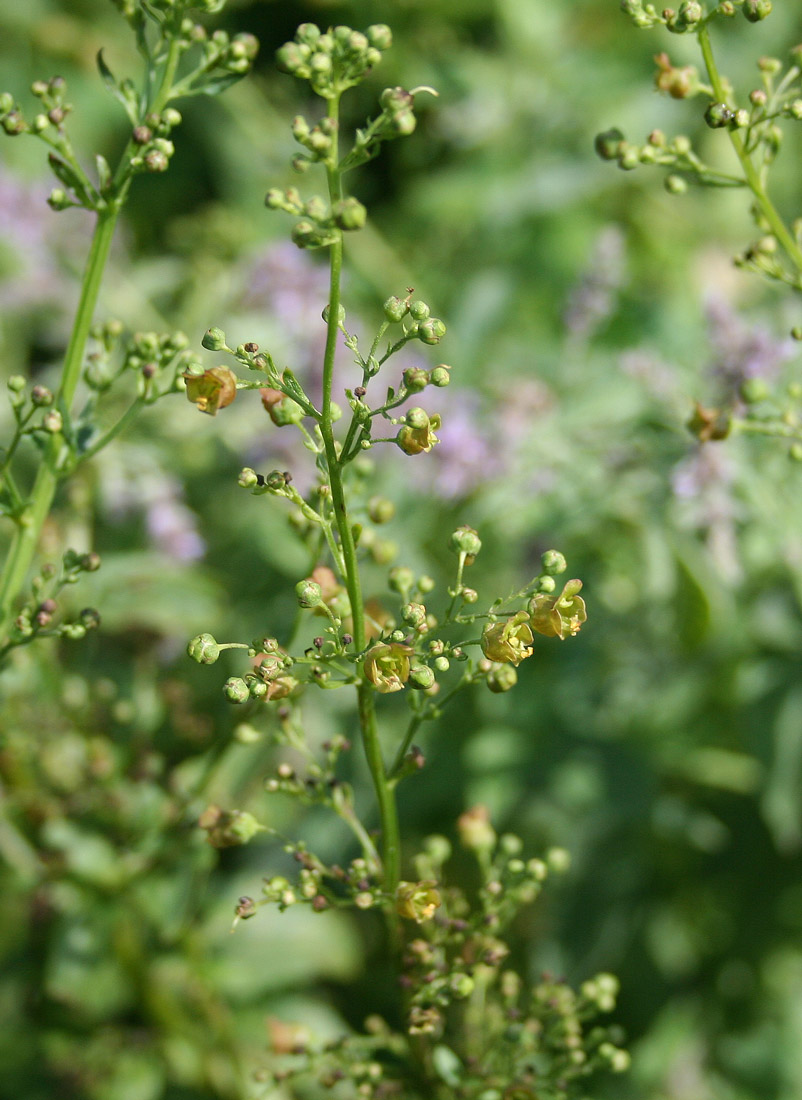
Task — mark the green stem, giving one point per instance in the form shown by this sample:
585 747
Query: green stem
30 522
366 696
767 207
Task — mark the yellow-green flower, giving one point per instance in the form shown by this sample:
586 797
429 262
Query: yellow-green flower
212 390
509 641
387 666
417 900
558 616
417 435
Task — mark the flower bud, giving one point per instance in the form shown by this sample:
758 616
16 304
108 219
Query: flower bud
349 214
228 828
421 677
415 379
755 10
419 311
718 115
381 509
501 678
308 593
465 541
52 421
475 831
282 409
553 562
380 36
41 397
395 309
401 579
203 649
214 339
608 143
236 690
440 376
431 331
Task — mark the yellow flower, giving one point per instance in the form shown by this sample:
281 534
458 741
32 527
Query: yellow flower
558 616
387 666
510 641
212 390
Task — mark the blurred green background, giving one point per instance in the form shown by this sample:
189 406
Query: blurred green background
587 310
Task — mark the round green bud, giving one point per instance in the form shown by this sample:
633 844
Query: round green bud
204 649
465 541
308 33
236 690
52 421
6 102
41 397
441 664
308 593
214 339
546 584
419 311
431 331
395 309
417 418
349 214
403 123
421 677
426 584
16 383
718 115
340 314
608 143
416 379
440 376
501 678
796 332
248 478
690 13
795 453
755 10
754 390
675 185
380 36
628 157
462 985
400 579
380 509
553 562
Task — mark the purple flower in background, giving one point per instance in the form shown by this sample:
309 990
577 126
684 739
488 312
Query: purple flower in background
136 483
31 237
593 298
740 350
466 456
703 486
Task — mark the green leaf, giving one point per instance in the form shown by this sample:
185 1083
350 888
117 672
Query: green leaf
216 85
124 92
103 174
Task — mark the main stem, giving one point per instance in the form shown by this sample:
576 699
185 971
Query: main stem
30 523
767 207
366 696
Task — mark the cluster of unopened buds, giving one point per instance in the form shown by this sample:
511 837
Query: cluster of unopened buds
39 617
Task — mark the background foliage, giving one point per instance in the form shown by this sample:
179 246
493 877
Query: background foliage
587 309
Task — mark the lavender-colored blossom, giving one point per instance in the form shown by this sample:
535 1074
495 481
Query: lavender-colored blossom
465 457
740 350
31 238
703 485
593 298
136 483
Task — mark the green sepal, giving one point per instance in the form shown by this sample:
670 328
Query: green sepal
126 96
